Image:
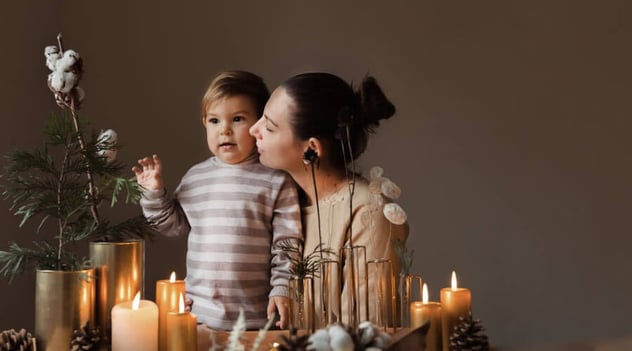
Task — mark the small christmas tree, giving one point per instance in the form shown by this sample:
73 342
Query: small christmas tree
64 182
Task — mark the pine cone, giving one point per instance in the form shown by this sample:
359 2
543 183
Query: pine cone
11 340
294 342
86 338
469 335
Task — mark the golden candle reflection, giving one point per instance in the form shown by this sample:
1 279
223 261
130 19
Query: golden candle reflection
424 311
455 302
167 293
181 329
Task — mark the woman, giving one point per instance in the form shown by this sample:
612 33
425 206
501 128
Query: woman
317 119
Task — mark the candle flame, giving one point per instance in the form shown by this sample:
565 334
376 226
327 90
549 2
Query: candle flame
454 286
424 293
136 301
172 279
181 304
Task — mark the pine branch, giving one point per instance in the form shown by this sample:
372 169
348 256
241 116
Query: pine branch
17 259
132 228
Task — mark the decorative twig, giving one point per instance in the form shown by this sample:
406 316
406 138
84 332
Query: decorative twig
71 106
62 222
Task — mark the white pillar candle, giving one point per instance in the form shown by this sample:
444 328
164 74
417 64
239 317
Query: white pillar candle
135 325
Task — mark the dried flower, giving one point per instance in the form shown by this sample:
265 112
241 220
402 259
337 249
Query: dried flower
303 266
381 186
394 213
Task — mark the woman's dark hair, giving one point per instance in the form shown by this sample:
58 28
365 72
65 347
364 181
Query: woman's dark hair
325 105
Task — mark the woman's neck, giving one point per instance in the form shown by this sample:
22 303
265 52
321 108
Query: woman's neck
328 182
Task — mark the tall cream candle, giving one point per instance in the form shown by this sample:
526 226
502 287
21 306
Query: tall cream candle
135 325
455 302
424 311
181 329
167 294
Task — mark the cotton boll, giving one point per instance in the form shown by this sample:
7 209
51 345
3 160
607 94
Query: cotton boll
52 55
376 172
108 139
368 332
340 340
390 189
320 335
382 341
56 81
319 345
65 63
108 136
70 80
394 213
319 341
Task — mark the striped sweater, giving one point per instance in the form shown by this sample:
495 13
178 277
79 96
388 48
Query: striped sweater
236 215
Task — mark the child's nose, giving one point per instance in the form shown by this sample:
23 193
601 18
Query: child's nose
226 130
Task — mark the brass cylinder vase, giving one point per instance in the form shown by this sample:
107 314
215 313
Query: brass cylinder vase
120 271
64 302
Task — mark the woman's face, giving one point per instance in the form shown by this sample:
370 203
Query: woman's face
277 145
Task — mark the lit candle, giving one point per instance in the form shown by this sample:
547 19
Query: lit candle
181 329
135 325
424 311
167 293
455 302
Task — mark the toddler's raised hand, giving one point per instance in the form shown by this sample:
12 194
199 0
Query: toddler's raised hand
149 173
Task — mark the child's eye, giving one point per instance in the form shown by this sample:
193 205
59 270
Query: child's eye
238 118
212 120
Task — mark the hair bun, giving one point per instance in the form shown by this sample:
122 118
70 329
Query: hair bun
374 106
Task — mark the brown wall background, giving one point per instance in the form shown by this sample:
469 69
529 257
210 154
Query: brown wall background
511 142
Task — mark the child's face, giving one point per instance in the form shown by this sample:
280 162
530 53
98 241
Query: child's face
227 122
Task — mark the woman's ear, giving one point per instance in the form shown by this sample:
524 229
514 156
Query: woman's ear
316 145
312 152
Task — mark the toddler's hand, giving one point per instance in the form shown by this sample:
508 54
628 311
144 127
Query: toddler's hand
149 173
188 304
279 303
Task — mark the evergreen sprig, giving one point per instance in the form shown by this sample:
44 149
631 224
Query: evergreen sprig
50 184
404 255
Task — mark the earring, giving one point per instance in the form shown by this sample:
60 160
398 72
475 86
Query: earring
310 156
